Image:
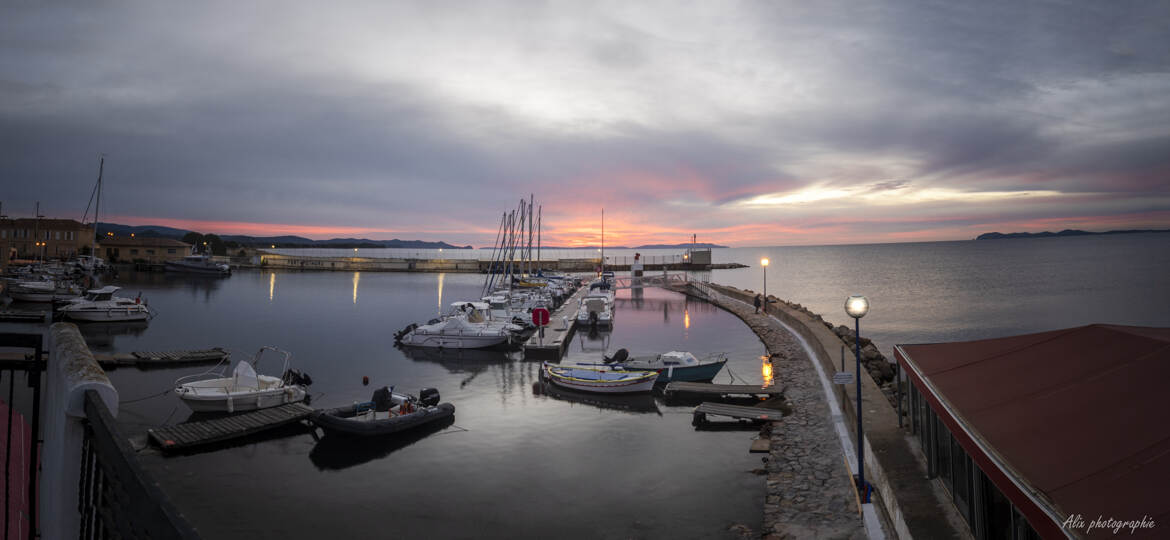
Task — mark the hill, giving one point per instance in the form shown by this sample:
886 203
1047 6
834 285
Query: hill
1066 232
279 241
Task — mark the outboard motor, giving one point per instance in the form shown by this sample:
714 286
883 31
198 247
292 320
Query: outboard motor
618 357
429 397
593 318
382 399
295 377
402 333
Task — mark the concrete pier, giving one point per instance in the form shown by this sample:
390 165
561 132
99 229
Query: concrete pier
557 334
263 259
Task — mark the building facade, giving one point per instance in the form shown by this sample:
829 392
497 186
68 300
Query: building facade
142 249
31 238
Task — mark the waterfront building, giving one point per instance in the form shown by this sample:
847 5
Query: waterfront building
32 238
142 249
1048 434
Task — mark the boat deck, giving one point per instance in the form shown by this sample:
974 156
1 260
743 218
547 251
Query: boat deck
191 434
682 387
556 339
737 412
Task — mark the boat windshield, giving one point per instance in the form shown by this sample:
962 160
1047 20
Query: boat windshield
98 296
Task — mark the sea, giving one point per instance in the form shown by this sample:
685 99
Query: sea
524 460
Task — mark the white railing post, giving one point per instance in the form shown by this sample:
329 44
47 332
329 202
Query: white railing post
70 371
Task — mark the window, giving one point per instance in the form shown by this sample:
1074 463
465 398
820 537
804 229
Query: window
150 252
170 251
134 252
69 235
4 233
961 471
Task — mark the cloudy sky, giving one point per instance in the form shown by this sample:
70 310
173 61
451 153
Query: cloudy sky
760 123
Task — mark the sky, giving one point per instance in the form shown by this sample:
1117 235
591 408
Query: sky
745 123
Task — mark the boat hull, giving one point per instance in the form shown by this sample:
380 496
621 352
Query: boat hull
453 341
627 385
172 266
700 373
242 401
342 421
107 315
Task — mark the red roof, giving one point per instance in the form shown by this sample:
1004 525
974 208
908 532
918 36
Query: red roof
1079 414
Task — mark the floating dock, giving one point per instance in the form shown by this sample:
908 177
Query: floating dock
9 315
191 434
738 412
722 390
556 338
146 360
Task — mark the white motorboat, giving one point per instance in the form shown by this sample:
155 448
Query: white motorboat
244 389
43 291
596 308
102 305
459 332
199 264
600 379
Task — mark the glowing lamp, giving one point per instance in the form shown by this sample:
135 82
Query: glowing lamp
856 306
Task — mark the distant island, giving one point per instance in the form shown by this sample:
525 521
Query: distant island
1066 232
158 231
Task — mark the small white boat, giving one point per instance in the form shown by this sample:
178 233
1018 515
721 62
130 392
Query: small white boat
198 264
596 308
467 325
102 305
604 380
43 291
244 389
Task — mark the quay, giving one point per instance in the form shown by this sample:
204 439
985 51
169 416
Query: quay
146 360
191 434
556 336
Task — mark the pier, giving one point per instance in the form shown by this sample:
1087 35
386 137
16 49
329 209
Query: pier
146 360
721 390
556 338
738 412
266 260
191 434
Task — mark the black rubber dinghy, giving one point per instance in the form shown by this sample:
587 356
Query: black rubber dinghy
341 420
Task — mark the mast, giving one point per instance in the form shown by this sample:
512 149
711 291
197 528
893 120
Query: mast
539 215
602 240
531 200
37 229
97 206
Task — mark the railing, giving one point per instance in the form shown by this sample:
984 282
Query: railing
20 509
117 497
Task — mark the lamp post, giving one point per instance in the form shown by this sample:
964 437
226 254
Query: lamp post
857 306
764 265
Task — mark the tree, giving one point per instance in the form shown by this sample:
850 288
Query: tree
193 238
215 243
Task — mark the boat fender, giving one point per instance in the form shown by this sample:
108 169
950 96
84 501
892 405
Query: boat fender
365 380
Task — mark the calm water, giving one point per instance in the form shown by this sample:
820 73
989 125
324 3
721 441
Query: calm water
515 463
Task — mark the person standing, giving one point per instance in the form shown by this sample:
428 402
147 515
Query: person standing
758 302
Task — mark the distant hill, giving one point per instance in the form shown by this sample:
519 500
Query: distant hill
279 241
1066 232
681 246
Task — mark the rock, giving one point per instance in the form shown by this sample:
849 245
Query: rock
869 353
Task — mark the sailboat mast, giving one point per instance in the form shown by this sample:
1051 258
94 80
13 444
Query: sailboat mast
96 208
603 240
539 215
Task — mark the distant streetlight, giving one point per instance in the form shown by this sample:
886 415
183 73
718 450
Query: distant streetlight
273 246
764 265
857 306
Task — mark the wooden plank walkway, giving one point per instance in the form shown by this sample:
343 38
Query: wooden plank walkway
25 316
681 387
734 411
189 434
555 338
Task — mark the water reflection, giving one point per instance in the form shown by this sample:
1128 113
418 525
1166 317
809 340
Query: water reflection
471 362
101 335
766 370
635 403
335 452
356 277
271 285
442 275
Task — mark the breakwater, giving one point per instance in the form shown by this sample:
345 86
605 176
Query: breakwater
370 264
912 507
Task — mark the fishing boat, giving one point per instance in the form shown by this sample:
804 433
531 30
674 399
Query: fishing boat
244 389
468 325
386 413
596 308
600 379
102 305
672 366
199 263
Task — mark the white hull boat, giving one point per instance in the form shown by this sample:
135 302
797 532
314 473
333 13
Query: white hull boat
102 305
244 389
43 291
596 309
198 264
467 326
600 379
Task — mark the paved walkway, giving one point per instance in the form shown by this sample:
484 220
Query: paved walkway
810 493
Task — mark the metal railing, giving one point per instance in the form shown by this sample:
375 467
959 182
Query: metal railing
117 497
22 522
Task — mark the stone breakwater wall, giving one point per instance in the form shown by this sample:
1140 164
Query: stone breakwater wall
880 369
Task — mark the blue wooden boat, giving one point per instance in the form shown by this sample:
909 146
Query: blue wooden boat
672 366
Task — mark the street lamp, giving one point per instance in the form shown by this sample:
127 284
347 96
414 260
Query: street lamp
857 306
764 264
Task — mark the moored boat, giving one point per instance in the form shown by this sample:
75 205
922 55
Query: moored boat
600 379
672 366
244 389
198 264
386 413
102 305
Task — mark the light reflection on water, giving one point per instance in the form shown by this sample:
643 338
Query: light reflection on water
519 460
